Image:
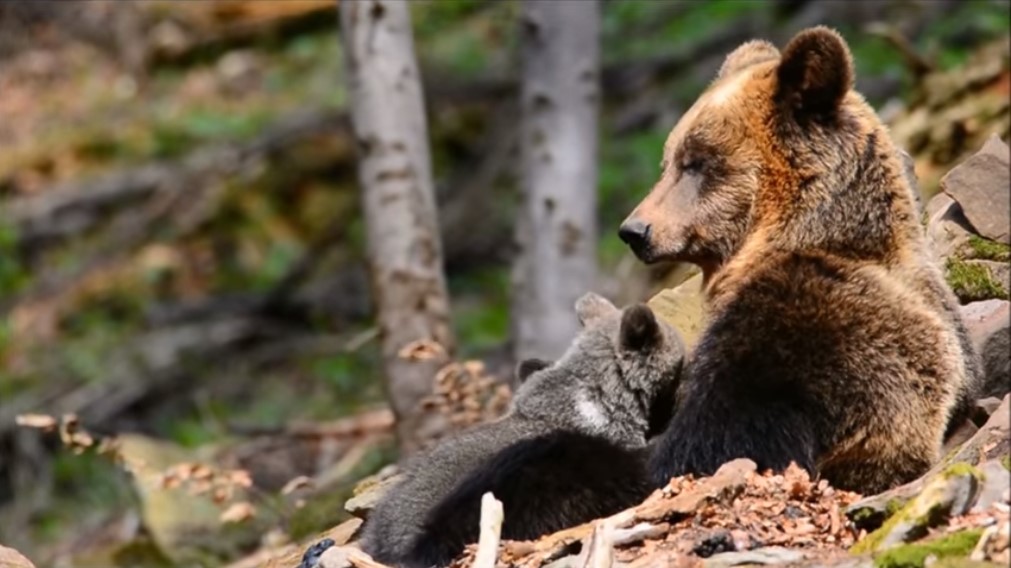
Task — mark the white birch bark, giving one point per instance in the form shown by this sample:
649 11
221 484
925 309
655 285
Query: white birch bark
394 171
556 228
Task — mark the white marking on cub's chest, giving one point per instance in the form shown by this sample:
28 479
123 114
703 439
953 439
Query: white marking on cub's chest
591 412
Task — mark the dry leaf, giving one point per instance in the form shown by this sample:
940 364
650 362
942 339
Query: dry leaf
295 484
238 512
422 350
241 478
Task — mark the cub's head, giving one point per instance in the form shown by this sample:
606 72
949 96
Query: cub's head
617 378
773 136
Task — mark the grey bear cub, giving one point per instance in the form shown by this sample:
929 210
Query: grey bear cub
571 448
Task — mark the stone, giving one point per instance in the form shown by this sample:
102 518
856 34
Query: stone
333 558
683 307
989 326
983 409
996 480
948 231
368 493
185 527
10 558
992 442
982 187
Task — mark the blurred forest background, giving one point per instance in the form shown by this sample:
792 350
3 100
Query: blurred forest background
183 249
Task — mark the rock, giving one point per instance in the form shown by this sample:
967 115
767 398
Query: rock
368 493
10 558
684 308
961 435
989 326
185 527
982 187
726 483
333 558
948 231
951 493
761 556
996 480
983 409
345 532
991 442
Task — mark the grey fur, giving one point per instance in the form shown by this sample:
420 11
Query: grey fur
599 387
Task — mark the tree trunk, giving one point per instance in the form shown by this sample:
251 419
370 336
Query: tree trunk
556 227
405 255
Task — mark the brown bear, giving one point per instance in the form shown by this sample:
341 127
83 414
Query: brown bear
832 341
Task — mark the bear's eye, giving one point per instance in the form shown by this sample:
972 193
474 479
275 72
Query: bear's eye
692 166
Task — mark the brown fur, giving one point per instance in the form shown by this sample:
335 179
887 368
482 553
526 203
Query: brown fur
783 184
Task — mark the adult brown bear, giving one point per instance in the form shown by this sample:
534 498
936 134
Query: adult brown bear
833 341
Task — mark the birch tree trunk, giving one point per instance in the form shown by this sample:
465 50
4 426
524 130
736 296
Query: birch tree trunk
556 228
394 171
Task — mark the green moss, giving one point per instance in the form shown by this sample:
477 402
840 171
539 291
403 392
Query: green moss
984 249
1006 462
916 512
972 282
915 555
959 469
894 506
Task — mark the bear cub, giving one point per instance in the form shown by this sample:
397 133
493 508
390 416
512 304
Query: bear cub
571 448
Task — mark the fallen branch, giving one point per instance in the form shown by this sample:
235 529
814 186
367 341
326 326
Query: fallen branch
491 532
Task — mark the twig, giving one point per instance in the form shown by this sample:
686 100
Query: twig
599 551
491 531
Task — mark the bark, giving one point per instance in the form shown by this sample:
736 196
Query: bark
556 226
394 170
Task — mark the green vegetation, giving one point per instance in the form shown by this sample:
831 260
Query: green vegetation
920 513
972 281
915 555
985 249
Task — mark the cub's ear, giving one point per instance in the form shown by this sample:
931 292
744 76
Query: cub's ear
815 73
639 329
748 54
593 306
528 367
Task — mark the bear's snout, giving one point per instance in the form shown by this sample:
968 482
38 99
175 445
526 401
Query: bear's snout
635 233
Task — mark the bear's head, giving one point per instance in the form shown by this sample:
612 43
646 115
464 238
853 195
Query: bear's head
617 378
778 147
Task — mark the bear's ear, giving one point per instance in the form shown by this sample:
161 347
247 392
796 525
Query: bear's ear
592 306
748 54
639 329
528 367
815 72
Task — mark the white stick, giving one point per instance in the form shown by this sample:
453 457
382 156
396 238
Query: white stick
492 515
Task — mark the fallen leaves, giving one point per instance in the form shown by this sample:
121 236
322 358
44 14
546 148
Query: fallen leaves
737 509
466 394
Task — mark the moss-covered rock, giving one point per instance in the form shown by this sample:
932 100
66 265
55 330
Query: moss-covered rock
915 555
950 492
972 280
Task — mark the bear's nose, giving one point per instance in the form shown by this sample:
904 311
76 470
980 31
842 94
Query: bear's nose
634 232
